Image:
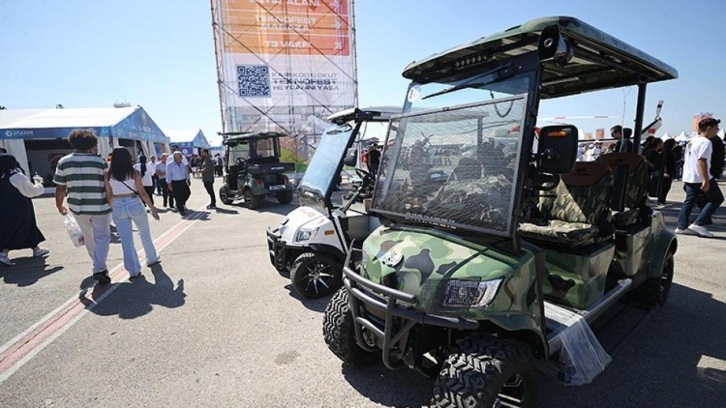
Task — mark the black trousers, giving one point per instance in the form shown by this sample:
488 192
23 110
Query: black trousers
181 193
150 193
165 193
209 186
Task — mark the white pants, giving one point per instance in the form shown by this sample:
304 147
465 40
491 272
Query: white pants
97 238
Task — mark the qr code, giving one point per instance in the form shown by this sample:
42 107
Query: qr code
253 81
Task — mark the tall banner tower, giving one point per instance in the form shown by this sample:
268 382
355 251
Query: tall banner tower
284 65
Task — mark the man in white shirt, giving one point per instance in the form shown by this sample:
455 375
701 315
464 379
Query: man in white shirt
697 180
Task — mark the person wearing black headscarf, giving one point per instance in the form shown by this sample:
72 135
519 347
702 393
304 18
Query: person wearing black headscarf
18 227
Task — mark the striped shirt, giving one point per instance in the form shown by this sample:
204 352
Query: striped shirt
82 174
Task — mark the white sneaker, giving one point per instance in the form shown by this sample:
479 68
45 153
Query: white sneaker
40 252
685 231
700 230
5 260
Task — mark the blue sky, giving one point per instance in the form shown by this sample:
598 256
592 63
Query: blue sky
159 54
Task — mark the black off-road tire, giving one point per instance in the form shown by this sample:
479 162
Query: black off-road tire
252 201
285 197
339 332
301 280
478 373
224 196
655 291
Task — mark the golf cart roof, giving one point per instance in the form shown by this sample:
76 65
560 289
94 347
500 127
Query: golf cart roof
600 60
240 136
372 114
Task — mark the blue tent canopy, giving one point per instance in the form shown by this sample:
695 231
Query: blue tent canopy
127 123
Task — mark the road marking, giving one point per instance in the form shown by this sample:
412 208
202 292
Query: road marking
22 348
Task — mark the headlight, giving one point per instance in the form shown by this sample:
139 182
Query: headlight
460 292
305 234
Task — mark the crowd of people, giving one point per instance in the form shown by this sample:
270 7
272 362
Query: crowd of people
99 193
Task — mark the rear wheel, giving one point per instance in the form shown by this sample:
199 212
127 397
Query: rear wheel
315 275
252 201
285 197
339 332
487 372
655 291
224 195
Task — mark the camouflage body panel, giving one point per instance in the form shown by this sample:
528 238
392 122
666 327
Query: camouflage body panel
577 279
420 262
629 248
658 243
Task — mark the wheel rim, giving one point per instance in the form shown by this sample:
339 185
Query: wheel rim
318 277
511 394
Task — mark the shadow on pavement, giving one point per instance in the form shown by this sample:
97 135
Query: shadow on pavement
27 270
138 296
399 388
667 363
316 305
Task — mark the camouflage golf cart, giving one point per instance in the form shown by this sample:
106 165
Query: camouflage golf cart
254 171
504 267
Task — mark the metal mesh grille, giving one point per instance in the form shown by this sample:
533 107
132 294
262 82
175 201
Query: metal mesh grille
454 167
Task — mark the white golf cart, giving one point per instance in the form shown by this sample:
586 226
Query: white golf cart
311 241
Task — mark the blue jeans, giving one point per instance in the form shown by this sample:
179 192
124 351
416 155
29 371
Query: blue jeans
714 197
126 210
97 237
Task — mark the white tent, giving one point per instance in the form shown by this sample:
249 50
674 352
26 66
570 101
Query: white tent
682 137
666 136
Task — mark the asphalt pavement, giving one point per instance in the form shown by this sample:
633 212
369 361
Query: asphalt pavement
215 325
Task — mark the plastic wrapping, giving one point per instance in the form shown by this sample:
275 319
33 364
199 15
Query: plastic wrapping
74 230
581 351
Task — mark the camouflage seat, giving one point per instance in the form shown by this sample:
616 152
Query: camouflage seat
636 189
577 213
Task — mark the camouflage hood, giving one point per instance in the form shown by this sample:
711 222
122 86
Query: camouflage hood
409 259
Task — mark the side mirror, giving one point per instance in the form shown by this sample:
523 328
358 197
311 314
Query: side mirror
553 47
351 157
557 149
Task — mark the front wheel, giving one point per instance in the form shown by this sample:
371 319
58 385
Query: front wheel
487 372
285 197
224 195
315 275
252 201
339 332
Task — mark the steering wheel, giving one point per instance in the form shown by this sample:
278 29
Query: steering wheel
363 174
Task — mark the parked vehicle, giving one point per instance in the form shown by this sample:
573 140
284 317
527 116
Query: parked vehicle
254 171
502 268
311 241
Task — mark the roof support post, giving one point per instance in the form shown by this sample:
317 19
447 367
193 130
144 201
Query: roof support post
639 111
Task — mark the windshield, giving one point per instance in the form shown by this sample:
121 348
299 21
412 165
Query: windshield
474 89
324 164
237 151
454 167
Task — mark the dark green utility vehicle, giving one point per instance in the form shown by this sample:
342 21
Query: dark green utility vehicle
254 171
504 266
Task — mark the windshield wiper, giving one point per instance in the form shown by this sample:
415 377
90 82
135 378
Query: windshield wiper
508 73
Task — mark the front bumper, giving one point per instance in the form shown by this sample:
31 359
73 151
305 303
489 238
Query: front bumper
369 299
277 249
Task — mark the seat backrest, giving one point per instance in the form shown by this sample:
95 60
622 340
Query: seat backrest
637 175
582 195
467 169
